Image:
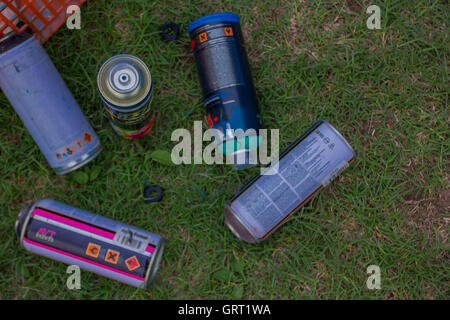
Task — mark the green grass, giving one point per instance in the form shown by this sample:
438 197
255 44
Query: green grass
385 90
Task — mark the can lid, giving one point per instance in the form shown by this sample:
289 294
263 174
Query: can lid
22 218
154 263
215 17
124 80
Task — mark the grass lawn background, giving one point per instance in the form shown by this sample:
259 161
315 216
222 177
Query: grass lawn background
385 90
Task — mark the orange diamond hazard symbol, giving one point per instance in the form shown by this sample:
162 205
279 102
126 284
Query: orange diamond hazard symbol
112 256
228 31
87 137
202 37
93 250
132 263
79 144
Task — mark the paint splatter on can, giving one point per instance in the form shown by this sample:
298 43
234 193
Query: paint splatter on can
309 164
95 243
228 90
44 103
126 88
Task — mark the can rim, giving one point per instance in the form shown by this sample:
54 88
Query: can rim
154 263
75 164
215 17
103 84
27 211
344 140
245 154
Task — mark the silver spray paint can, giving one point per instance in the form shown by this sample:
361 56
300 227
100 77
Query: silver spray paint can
40 97
308 165
95 243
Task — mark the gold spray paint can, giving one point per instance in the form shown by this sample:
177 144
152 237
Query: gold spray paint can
126 88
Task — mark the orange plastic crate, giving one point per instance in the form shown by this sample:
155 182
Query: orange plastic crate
44 17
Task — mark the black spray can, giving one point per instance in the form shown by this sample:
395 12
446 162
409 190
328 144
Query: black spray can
228 90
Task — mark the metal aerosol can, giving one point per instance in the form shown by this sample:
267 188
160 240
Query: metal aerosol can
44 103
309 164
95 243
125 85
228 90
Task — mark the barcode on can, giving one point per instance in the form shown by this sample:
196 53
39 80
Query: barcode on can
131 239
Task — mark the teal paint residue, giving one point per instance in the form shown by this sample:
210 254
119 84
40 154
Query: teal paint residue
248 142
68 106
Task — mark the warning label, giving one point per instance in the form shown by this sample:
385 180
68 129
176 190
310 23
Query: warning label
132 263
93 250
228 31
202 37
112 256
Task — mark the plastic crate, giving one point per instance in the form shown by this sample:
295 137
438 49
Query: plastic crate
44 17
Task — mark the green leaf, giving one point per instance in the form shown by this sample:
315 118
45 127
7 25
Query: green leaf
238 291
95 171
237 266
223 274
81 177
162 156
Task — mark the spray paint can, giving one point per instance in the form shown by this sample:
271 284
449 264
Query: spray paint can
228 90
125 85
44 103
95 243
308 165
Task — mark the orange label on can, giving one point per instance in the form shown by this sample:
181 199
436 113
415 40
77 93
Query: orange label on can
93 250
132 263
112 256
228 31
202 37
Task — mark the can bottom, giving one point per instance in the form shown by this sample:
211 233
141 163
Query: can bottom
241 151
241 160
154 263
85 158
20 221
233 223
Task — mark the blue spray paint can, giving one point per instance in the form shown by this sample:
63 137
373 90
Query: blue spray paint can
228 90
44 103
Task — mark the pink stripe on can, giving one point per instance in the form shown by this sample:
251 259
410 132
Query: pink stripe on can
79 225
73 223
